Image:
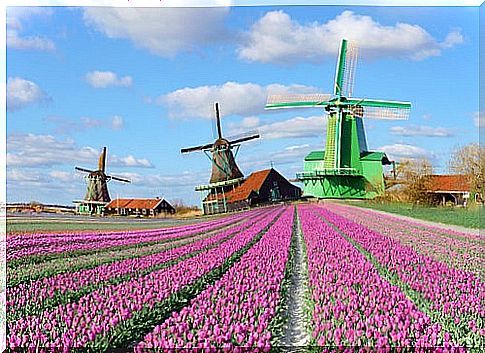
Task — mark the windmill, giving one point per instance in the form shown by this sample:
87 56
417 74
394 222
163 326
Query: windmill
225 175
346 169
97 191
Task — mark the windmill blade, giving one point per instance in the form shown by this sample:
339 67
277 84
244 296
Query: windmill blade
102 160
218 120
244 139
196 148
345 71
297 101
118 179
84 170
380 109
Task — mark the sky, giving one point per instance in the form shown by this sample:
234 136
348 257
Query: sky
142 81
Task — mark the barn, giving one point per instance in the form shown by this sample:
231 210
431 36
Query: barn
139 207
452 188
261 187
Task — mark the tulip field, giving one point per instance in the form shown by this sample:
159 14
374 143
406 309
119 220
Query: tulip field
370 280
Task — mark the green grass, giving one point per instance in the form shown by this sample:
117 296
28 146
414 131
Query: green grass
471 217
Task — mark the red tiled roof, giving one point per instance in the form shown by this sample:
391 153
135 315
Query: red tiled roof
454 182
252 183
134 203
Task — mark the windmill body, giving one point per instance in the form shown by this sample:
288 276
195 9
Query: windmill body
346 168
225 174
97 195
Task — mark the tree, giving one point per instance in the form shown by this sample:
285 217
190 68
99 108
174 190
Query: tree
415 175
469 160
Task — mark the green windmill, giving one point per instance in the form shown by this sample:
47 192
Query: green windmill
346 168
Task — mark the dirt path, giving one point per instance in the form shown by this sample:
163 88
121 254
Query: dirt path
296 329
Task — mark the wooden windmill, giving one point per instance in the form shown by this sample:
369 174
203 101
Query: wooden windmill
220 152
97 180
346 169
225 175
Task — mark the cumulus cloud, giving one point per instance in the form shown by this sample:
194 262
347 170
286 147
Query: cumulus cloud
162 31
244 99
399 151
103 79
22 93
421 130
15 39
31 150
277 38
298 127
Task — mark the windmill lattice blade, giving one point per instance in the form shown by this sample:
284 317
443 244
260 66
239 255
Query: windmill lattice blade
119 179
84 170
386 113
196 148
349 69
297 100
244 139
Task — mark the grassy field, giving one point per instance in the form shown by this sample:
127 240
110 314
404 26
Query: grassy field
466 217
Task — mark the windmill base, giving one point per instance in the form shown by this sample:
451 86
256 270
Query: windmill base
341 187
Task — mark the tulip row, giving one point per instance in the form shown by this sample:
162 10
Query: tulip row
455 251
95 318
450 296
29 298
94 242
472 236
34 271
237 309
27 240
353 304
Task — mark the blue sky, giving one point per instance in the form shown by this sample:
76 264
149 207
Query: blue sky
143 81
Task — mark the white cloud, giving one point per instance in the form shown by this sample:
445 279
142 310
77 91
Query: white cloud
290 155
421 130
62 175
163 31
298 127
185 179
244 99
103 79
117 122
130 161
277 38
479 119
30 150
399 151
63 125
15 40
21 93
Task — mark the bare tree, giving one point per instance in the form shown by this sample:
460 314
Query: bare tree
469 160
415 174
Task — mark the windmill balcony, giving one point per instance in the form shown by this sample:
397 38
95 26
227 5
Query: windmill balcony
321 173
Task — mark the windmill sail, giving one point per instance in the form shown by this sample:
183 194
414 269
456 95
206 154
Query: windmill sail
224 166
97 188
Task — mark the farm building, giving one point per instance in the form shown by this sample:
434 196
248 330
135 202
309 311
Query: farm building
139 207
261 187
450 188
